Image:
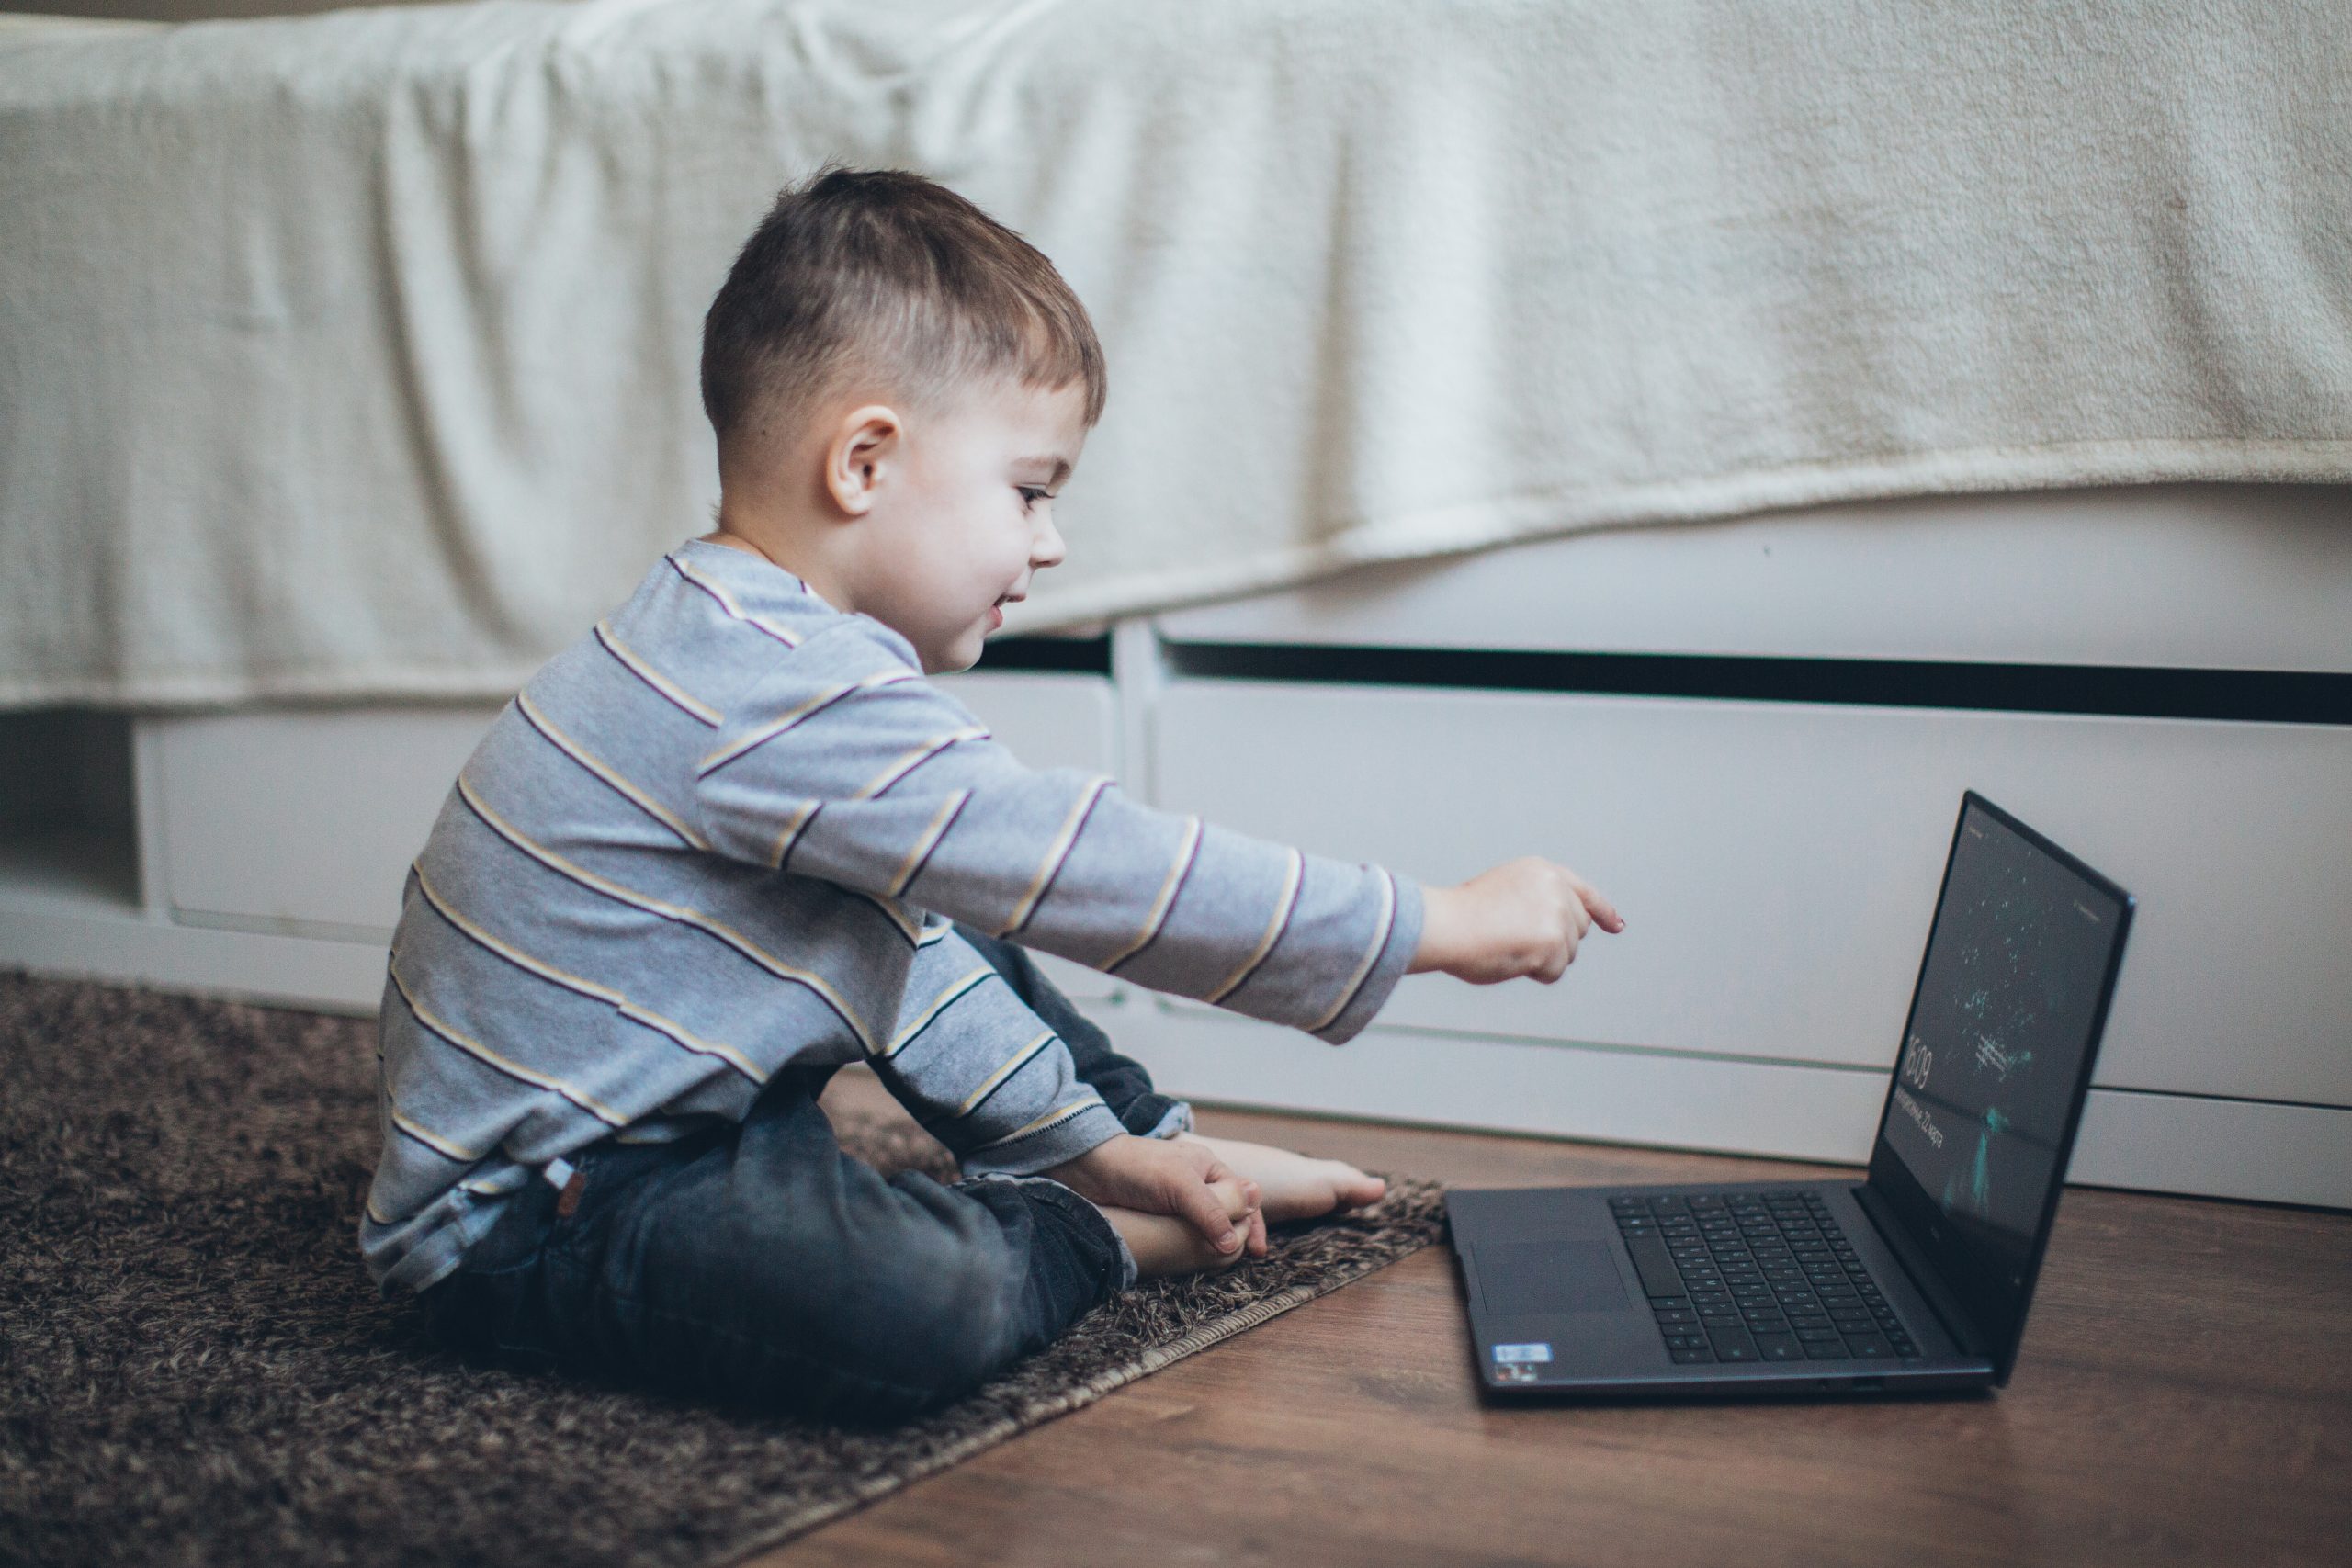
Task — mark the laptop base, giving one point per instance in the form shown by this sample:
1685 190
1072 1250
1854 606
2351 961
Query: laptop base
1575 1291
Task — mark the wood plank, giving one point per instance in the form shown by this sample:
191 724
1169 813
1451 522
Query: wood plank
2183 1395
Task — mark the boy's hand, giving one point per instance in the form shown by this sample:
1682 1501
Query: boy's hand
1158 1176
1525 917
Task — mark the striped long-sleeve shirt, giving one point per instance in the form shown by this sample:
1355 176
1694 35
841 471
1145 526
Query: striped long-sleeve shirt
726 833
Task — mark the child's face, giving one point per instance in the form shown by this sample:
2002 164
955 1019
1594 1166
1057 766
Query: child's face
969 520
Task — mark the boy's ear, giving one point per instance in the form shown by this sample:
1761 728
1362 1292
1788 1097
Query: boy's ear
862 456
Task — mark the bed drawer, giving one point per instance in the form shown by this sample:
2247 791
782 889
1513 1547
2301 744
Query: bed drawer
306 821
301 821
2214 577
1779 863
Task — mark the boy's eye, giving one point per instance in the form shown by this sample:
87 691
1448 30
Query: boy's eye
1031 497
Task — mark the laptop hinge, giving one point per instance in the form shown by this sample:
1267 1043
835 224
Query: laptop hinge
1946 1306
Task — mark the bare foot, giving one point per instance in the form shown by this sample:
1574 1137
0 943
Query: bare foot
1165 1245
1291 1186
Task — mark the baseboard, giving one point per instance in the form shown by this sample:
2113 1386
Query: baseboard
2255 1149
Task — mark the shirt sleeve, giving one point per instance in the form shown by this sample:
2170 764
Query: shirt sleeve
846 764
982 1072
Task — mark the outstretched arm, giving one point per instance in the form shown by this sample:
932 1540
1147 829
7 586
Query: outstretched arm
846 765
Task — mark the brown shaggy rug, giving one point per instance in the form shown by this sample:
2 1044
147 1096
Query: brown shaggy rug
195 1369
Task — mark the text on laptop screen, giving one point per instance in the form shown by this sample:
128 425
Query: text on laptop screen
2009 994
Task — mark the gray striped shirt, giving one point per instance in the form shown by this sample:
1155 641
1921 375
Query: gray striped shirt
725 833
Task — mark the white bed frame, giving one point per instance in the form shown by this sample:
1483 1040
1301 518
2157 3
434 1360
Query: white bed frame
1776 850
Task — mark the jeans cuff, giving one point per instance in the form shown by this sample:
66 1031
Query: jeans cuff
1081 1211
1177 1118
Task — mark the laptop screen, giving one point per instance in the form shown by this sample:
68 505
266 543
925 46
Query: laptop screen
1996 1059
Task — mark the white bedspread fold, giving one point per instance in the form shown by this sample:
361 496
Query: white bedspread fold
354 355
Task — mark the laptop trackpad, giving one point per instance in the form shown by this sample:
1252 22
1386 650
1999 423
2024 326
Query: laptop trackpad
1524 1278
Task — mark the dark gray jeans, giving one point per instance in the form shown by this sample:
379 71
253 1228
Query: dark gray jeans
758 1265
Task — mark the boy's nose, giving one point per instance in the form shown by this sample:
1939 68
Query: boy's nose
1046 548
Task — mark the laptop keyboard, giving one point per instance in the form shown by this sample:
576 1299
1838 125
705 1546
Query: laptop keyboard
1757 1277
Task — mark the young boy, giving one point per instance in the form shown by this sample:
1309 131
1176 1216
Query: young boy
717 847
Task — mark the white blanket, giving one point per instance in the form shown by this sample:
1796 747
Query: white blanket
354 356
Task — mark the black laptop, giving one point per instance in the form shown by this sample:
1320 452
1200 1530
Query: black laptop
1916 1279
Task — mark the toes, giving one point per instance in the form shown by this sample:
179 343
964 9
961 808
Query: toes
1355 1190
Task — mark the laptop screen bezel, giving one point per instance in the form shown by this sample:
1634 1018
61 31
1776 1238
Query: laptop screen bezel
1995 1309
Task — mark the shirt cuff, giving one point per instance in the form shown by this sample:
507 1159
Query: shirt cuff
1049 1146
1387 965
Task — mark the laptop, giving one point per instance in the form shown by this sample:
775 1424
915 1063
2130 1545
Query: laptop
1914 1280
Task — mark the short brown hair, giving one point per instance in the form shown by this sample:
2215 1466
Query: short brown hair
883 272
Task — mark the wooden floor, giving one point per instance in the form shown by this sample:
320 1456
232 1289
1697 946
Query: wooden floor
2185 1394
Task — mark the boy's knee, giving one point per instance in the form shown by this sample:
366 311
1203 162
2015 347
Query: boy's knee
976 1297
858 1295
921 1308
938 1316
